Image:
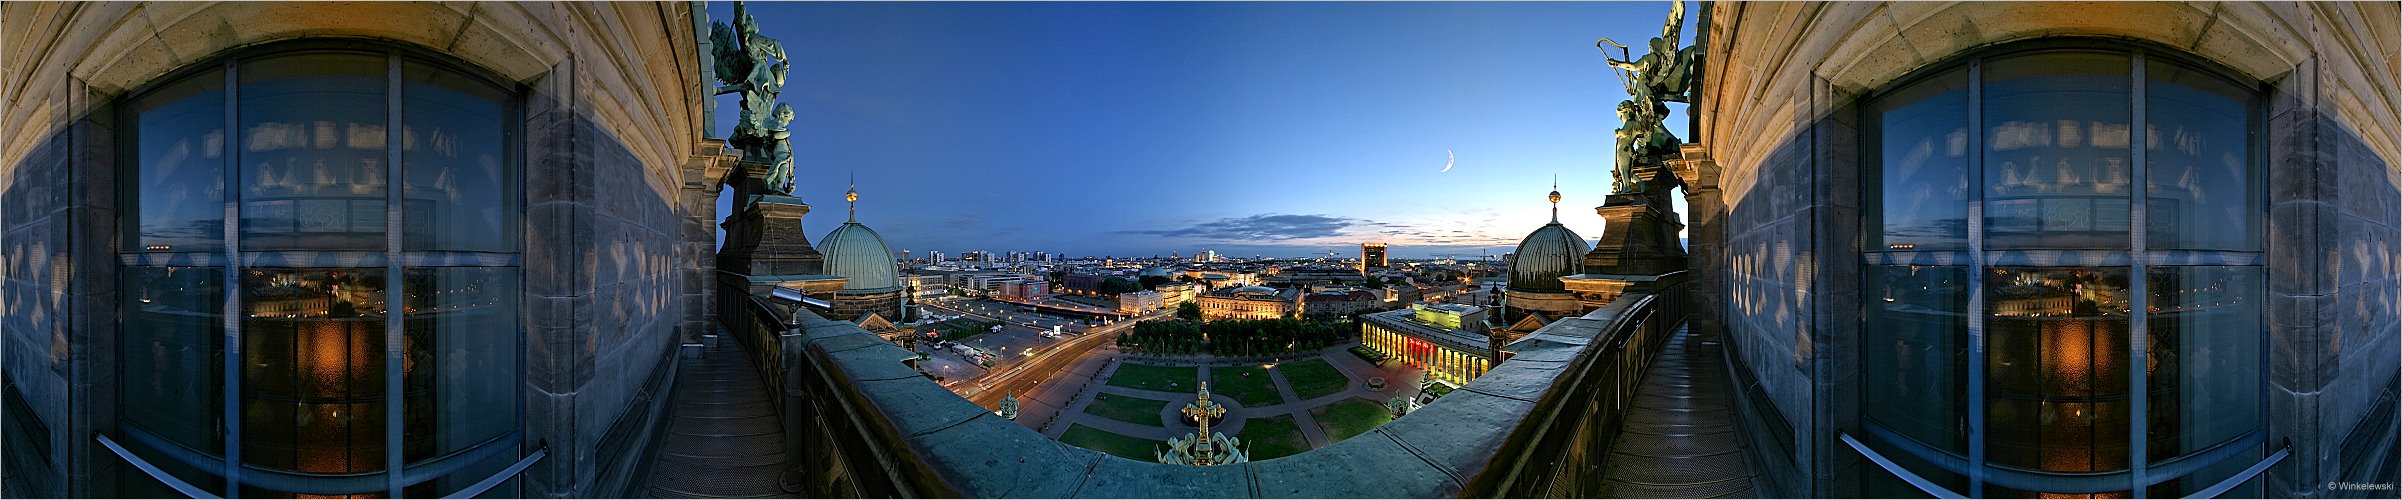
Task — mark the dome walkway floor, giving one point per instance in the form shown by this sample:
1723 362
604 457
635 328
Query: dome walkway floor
1679 439
723 439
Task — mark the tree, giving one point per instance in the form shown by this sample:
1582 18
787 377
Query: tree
1114 286
1150 282
1188 310
1375 282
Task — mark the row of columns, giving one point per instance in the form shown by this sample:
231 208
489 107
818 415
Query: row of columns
1442 362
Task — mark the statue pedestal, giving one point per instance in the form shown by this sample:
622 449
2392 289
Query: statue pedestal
1638 242
764 239
1639 232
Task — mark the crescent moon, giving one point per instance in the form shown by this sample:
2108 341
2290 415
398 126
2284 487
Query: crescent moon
1448 159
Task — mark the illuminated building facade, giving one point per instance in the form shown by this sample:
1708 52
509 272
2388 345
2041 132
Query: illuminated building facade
1437 337
1250 302
1371 257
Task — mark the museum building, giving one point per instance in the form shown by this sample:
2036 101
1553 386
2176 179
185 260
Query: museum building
2046 249
382 249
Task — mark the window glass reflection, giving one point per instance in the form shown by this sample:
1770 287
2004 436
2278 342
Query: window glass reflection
1924 166
2203 365
313 377
2057 170
2201 189
461 364
312 152
171 353
458 193
2056 368
1918 352
179 182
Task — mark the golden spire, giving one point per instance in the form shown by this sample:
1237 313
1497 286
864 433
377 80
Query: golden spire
1555 198
853 197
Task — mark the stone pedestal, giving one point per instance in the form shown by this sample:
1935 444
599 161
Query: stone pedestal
1639 235
764 235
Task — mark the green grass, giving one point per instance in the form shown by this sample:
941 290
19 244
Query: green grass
1090 301
1154 377
1247 384
1127 409
1272 437
1350 417
1438 390
1313 378
1138 449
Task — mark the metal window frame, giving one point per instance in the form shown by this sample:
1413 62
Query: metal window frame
2138 260
233 259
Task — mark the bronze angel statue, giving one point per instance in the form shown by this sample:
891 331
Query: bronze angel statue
754 65
1662 76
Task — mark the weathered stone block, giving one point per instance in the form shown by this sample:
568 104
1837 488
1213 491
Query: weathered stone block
1115 477
1369 465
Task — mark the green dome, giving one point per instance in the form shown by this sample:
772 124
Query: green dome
853 251
1544 256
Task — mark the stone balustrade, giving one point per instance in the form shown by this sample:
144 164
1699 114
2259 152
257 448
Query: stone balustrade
860 423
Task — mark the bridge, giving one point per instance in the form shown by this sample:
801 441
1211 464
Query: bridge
1624 401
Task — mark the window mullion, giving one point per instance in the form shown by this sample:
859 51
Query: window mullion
1976 279
393 315
2138 320
230 314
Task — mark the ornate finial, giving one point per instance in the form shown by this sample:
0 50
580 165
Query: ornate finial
1555 198
853 197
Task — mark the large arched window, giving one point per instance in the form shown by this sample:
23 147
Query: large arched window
2063 264
319 276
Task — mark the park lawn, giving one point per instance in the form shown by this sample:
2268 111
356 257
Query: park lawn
1134 448
1154 377
1127 409
1313 378
1090 301
1350 417
1247 384
1277 436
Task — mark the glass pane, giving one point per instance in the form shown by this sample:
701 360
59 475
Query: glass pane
172 355
178 187
460 193
1918 352
2056 365
2057 173
2203 366
461 364
2198 152
1923 139
313 381
313 152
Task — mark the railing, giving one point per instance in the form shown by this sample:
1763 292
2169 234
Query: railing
862 424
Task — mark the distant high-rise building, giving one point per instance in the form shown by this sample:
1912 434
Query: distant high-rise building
1371 257
934 256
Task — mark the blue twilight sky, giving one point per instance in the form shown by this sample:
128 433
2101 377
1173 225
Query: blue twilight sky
1139 129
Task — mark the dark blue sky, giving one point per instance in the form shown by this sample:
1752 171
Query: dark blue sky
1134 129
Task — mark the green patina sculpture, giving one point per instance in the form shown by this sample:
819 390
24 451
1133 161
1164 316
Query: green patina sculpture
754 65
1203 447
1665 75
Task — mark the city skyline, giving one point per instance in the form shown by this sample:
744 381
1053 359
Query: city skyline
1135 129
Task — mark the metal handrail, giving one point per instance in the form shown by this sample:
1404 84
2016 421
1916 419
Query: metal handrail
161 475
2015 478
473 490
410 475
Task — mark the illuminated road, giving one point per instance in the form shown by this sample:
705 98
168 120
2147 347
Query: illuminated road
1022 376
